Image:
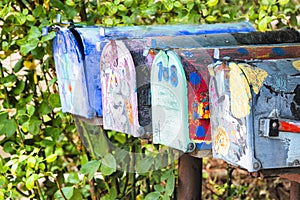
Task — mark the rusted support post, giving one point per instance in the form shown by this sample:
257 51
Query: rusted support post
189 178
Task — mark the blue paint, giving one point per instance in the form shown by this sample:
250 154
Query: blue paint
204 146
278 51
200 131
195 78
243 51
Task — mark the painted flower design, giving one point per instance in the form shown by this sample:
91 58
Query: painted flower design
221 142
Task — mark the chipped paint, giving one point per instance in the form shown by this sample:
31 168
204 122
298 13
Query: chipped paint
239 91
296 64
254 75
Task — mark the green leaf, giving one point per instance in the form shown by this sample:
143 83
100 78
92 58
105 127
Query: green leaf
29 46
34 126
68 192
90 168
283 2
44 108
31 162
170 184
30 110
18 66
73 178
212 3
34 32
10 127
5 45
38 11
8 147
159 188
51 158
30 182
144 165
152 196
54 100
128 3
48 37
19 87
211 18
108 165
121 7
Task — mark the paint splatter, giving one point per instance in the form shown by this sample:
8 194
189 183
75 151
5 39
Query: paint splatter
240 92
221 142
296 64
255 76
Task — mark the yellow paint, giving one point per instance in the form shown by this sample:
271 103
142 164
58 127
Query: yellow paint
221 142
255 76
296 64
239 92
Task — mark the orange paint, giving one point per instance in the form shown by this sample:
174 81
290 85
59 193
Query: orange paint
70 88
289 127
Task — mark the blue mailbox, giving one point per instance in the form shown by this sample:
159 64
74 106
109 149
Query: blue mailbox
77 52
255 117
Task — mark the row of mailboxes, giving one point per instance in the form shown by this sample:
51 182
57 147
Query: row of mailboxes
77 51
160 85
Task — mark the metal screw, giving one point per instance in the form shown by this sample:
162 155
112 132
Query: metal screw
256 165
191 146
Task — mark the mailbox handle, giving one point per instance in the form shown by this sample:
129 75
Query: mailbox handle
289 126
271 127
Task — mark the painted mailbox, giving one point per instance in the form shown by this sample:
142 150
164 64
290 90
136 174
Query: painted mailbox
77 52
125 82
193 62
255 108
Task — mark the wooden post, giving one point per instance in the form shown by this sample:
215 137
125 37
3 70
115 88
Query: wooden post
295 191
295 185
189 178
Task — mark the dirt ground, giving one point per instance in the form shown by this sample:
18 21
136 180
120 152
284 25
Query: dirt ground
243 186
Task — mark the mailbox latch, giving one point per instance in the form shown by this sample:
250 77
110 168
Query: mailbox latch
270 127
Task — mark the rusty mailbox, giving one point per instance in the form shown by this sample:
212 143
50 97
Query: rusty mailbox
125 81
255 117
180 110
77 51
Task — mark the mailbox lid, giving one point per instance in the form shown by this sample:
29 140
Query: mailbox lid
71 77
118 80
169 102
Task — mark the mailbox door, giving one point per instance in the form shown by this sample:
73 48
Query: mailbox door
118 79
71 78
230 122
89 38
169 102
142 64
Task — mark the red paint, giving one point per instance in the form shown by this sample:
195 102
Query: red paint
289 127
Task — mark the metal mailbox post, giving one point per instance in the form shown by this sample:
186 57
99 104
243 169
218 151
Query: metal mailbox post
255 113
191 119
77 52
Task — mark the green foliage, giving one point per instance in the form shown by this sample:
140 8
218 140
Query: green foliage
42 142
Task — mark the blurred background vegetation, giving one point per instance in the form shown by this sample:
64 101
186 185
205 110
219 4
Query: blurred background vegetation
42 152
